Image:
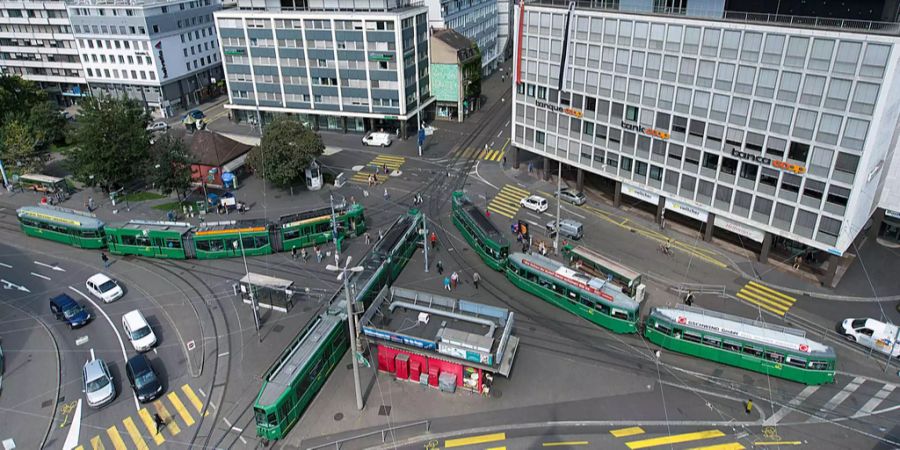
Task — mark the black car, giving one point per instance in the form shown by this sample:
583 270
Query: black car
65 308
144 380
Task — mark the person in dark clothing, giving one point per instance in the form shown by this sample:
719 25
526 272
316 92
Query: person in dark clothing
160 423
293 252
105 260
440 267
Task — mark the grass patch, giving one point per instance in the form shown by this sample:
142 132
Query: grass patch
141 196
170 206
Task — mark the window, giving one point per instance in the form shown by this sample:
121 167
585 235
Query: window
847 57
814 189
539 137
730 42
829 128
768 177
796 51
745 77
813 88
765 83
729 165
725 76
820 56
790 183
631 113
798 151
855 134
804 124
838 94
640 168
712 341
656 173
864 98
846 163
710 161
710 46
796 362
773 49
874 61
790 85
750 47
838 195
749 171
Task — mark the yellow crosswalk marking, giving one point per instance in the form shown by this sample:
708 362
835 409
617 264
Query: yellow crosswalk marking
772 291
674 439
135 434
766 298
473 440
80 447
116 438
504 214
151 426
625 432
728 446
97 444
517 190
171 425
198 405
182 411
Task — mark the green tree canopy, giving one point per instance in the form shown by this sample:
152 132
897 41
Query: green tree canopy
111 142
46 124
170 166
18 96
20 150
286 150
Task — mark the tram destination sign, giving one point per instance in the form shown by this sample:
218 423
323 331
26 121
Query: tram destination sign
776 163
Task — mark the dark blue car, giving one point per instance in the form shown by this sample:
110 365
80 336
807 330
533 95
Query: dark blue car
68 310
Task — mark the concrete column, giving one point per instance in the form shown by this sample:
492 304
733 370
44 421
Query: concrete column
344 124
833 262
766 246
546 168
617 195
403 130
660 209
315 122
580 180
877 219
709 227
515 157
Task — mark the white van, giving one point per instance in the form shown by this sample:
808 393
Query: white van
138 331
871 333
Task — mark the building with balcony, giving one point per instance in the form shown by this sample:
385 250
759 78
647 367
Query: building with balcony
163 53
477 20
36 43
336 65
761 127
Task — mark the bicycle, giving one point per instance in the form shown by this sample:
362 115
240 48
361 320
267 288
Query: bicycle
665 250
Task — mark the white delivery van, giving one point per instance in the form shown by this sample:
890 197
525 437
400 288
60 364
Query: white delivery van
871 333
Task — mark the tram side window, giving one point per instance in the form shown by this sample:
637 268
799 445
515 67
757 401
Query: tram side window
712 341
291 234
602 308
249 242
796 362
173 243
586 302
285 407
618 313
89 233
753 351
305 382
818 365
201 245
775 357
663 328
217 245
731 346
323 227
692 336
261 241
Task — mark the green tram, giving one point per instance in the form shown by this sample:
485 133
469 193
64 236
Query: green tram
480 232
313 227
67 226
591 298
770 349
293 381
232 238
592 263
148 238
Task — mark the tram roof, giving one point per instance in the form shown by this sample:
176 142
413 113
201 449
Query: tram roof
152 225
606 262
81 219
743 328
574 278
280 379
394 234
305 215
233 225
484 223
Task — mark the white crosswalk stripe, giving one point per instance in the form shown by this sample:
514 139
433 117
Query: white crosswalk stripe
841 396
796 401
875 401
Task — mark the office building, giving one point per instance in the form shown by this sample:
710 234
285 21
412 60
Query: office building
477 20
339 65
162 53
760 127
36 43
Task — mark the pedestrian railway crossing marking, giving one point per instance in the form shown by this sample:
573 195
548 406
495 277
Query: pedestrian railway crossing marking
766 298
380 161
506 202
143 429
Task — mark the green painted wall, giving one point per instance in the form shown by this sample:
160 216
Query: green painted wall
445 82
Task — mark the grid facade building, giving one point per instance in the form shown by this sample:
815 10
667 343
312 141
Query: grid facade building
478 20
763 129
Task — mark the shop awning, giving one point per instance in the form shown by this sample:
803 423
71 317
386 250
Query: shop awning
235 163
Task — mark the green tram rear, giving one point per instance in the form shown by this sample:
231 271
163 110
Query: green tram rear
769 349
67 226
591 298
313 227
480 232
230 239
290 385
148 238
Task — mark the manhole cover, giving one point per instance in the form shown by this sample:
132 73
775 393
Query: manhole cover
46 403
384 410
278 328
338 417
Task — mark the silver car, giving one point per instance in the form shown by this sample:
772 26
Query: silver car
98 383
574 197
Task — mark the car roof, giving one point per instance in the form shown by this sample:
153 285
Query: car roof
63 299
99 278
536 197
134 318
93 369
138 362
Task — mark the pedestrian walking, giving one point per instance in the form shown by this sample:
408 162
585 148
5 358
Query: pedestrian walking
304 254
440 267
797 261
476 279
748 407
368 239
386 195
454 279
318 254
689 298
504 160
160 423
90 204
293 252
105 260
433 239
384 167
447 283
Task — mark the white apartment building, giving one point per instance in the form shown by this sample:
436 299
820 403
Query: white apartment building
766 131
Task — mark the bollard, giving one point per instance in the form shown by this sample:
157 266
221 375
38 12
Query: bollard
748 406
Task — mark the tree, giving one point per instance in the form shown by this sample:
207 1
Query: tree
112 145
47 125
286 150
20 148
18 96
171 164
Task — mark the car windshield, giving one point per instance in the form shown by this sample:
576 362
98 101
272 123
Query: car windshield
107 286
144 378
140 332
859 323
72 311
97 383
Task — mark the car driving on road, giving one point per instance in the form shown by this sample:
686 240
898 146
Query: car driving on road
574 197
68 310
98 383
138 331
535 203
103 287
143 379
377 139
158 126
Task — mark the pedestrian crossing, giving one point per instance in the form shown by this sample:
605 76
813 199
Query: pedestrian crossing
851 396
486 154
378 165
142 430
766 298
506 202
706 439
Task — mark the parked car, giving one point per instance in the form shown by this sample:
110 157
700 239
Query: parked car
196 114
138 331
572 196
103 287
158 126
98 383
377 139
871 333
535 203
569 228
65 308
143 379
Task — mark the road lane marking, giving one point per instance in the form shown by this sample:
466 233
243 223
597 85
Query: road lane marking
483 439
97 443
785 410
674 439
151 426
116 438
80 447
875 401
728 446
135 434
496 448
182 411
500 133
777 443
841 396
564 444
72 437
40 276
192 397
171 424
5 265
223 354
52 267
625 432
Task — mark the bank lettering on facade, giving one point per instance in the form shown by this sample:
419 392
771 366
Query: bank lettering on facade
776 163
644 130
568 111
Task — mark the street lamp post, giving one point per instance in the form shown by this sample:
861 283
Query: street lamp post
351 320
249 285
558 203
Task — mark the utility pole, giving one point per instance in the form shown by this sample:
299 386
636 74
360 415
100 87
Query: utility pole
351 320
558 203
425 239
249 287
334 226
891 351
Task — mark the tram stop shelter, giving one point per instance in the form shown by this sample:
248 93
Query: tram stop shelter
440 341
269 292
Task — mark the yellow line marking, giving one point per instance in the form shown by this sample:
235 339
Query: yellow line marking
565 444
624 432
151 426
503 207
182 411
762 304
135 434
97 444
198 405
674 439
752 291
390 158
728 446
778 443
504 145
171 425
515 189
116 438
485 438
496 448
772 291
80 447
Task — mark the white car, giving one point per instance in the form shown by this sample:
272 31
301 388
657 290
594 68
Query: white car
138 331
377 139
103 287
158 126
535 203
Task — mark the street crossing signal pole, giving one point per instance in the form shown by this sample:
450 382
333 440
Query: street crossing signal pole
425 239
558 203
351 320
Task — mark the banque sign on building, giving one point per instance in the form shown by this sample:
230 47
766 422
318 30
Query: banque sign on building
776 163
